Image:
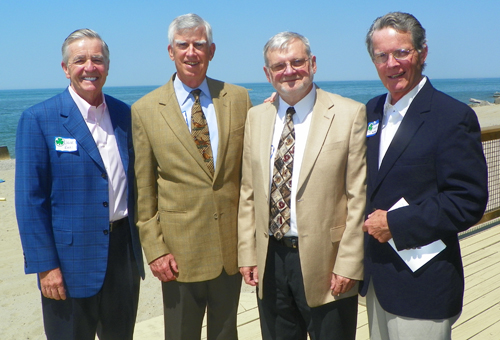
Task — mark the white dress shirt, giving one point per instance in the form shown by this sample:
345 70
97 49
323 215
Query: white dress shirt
186 101
393 115
101 128
301 122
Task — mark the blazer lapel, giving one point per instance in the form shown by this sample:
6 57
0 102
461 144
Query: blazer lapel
120 133
373 142
76 126
410 124
321 120
172 114
222 109
264 132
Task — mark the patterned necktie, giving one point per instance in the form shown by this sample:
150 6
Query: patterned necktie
281 187
200 133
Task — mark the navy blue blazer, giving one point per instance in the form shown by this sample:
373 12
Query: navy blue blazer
436 163
62 197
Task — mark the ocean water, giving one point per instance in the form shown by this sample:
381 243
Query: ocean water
14 102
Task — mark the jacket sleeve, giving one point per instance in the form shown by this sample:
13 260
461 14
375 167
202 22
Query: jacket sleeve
247 255
32 191
349 261
146 190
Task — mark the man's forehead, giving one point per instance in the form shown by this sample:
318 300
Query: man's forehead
287 52
188 33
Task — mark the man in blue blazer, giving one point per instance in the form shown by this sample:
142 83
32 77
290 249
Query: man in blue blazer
427 181
74 201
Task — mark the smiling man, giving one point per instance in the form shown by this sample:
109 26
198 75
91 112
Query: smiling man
302 201
74 201
188 135
427 182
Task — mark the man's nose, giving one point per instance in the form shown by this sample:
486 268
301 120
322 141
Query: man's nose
391 61
288 68
191 49
89 65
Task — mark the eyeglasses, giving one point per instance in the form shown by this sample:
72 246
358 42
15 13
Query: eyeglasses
295 64
401 54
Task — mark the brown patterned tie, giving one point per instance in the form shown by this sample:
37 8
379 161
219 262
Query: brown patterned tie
200 133
281 187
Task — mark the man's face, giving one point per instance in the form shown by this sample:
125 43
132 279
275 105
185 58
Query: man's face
87 69
291 83
191 53
398 76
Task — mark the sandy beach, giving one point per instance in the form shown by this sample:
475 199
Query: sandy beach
20 307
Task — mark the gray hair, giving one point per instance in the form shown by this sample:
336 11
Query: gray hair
83 33
401 22
188 22
281 41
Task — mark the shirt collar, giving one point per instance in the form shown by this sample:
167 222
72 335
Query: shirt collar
182 91
404 103
83 106
302 108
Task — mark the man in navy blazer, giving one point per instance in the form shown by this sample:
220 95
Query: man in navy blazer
425 161
74 201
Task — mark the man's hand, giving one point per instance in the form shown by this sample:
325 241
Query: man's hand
165 268
271 98
376 225
52 284
250 275
340 285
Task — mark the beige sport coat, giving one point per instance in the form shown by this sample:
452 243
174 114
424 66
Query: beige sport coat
330 198
181 208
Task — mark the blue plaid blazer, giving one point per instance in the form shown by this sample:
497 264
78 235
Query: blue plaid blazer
62 196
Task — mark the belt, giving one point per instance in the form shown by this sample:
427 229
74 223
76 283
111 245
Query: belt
115 224
290 242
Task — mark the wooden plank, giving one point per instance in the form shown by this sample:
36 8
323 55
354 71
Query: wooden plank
477 324
490 333
480 241
480 255
480 299
490 268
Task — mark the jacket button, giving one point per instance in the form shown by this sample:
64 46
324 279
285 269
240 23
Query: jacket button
105 204
215 216
105 232
104 175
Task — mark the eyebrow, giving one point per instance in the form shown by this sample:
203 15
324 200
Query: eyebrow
177 42
84 56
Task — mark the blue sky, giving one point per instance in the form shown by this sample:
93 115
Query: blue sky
463 37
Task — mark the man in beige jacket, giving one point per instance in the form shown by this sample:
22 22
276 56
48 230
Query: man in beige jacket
302 200
188 135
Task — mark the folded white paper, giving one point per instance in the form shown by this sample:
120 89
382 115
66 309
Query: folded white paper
416 258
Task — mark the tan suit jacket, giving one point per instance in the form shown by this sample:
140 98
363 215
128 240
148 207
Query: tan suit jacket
330 198
181 208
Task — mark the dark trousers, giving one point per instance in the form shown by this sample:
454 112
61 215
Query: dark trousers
184 305
284 313
110 313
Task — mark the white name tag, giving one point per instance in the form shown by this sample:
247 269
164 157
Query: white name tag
372 128
65 144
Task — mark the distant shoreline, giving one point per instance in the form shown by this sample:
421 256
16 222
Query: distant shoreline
376 80
488 116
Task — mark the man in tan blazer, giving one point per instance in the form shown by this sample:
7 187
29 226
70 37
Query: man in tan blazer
188 186
306 273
